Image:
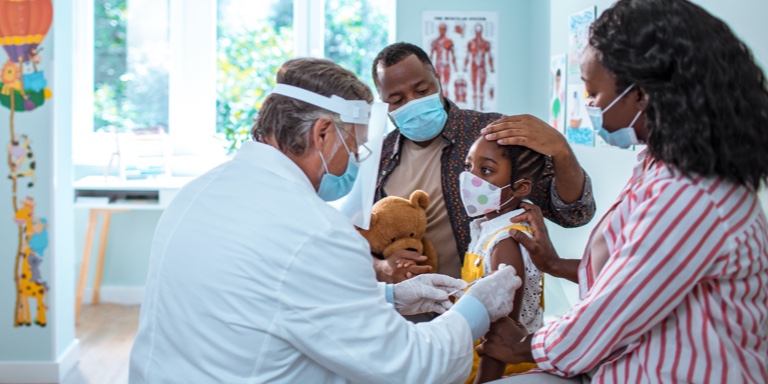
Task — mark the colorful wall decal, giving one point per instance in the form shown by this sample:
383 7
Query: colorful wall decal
31 286
23 88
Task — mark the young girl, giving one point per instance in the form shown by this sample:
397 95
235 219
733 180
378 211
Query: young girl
496 179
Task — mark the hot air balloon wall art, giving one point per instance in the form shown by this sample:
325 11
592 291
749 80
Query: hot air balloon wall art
23 88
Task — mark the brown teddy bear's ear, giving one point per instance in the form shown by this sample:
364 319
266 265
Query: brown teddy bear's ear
420 198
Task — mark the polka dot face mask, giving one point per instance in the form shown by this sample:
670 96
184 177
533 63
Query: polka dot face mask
479 196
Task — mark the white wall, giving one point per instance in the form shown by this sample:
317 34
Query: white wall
63 235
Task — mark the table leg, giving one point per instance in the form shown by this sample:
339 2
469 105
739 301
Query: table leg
103 237
84 264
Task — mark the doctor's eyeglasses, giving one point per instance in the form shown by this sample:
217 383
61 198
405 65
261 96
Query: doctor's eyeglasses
360 133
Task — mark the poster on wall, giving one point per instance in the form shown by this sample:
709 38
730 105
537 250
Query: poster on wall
578 38
23 89
578 127
557 78
463 47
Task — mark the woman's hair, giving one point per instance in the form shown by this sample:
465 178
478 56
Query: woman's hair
526 163
288 120
707 99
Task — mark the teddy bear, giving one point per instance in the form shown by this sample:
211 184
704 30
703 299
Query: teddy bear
398 223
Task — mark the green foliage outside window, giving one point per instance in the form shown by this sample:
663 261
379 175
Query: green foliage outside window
356 30
110 33
130 88
247 62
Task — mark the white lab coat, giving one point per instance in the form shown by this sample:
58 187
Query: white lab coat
254 279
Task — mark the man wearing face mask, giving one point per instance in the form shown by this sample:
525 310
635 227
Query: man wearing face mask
427 152
254 278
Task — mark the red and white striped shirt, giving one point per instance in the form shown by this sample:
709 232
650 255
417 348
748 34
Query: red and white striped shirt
682 296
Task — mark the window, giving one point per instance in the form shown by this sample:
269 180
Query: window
201 70
130 74
355 32
253 38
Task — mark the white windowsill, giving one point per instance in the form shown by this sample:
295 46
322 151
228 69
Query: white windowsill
190 159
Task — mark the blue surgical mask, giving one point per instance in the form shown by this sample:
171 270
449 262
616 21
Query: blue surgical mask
334 187
622 138
421 119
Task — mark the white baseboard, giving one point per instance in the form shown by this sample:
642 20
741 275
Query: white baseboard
69 359
41 372
115 294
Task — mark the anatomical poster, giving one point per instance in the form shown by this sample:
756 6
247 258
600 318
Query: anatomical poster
463 47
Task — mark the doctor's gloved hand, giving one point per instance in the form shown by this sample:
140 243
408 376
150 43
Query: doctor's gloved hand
425 293
497 291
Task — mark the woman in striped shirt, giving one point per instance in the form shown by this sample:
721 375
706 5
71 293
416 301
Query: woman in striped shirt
674 280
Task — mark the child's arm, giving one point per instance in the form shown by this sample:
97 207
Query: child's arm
507 252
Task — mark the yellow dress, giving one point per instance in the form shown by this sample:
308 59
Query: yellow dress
472 270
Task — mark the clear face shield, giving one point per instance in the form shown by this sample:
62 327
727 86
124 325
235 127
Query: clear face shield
369 122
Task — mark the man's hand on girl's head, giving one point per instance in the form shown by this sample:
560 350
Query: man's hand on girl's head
528 131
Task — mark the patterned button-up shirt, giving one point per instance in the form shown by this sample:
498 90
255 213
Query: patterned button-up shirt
461 130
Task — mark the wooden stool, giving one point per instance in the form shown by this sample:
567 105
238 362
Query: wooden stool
87 250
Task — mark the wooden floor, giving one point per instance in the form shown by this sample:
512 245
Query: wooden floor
106 333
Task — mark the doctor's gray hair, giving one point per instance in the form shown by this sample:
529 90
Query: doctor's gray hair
287 121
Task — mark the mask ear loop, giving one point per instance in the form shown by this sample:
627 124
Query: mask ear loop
335 148
616 100
322 158
511 198
635 119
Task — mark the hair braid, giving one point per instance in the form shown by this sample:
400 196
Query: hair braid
526 163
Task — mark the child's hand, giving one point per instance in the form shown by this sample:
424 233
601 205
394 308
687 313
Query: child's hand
400 266
507 341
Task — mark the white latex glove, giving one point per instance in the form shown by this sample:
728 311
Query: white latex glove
426 293
497 291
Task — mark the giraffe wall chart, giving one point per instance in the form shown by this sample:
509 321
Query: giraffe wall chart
23 88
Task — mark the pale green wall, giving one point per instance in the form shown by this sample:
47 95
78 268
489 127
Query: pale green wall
33 342
128 247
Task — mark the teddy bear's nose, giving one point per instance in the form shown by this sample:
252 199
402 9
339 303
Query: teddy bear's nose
411 234
411 249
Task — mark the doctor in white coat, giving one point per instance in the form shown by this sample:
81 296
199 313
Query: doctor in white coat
254 278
